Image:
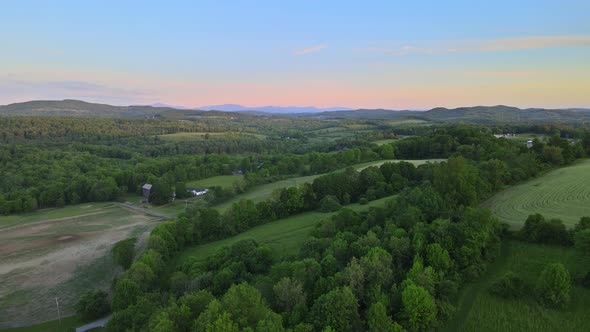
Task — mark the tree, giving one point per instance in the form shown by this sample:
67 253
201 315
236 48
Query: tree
553 155
584 223
337 309
553 286
509 286
93 305
582 242
288 294
161 192
377 266
419 308
329 204
142 275
126 293
124 252
223 323
378 320
245 304
181 191
161 323
438 257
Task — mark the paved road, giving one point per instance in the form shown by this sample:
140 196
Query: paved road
97 323
146 211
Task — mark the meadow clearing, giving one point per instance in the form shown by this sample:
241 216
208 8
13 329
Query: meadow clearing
285 236
265 191
563 193
59 253
224 181
478 310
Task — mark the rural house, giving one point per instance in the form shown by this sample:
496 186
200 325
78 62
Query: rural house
198 191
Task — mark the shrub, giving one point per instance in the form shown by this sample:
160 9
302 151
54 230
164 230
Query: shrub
536 229
329 204
553 286
124 252
509 286
93 305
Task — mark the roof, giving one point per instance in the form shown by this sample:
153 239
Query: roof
147 186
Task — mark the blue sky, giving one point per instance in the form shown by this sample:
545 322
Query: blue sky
391 54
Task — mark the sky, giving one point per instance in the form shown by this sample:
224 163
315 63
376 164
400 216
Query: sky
358 54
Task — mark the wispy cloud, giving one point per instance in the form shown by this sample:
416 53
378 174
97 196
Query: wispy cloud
504 74
311 49
482 45
12 90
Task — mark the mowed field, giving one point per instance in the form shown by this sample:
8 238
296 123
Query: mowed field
265 191
478 310
187 136
563 193
284 236
224 181
59 253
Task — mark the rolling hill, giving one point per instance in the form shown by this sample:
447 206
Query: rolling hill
478 114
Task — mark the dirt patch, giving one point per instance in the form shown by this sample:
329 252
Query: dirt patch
51 258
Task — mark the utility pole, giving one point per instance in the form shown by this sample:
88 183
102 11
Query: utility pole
58 313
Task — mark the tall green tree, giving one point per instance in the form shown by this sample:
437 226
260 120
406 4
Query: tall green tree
419 308
337 309
553 286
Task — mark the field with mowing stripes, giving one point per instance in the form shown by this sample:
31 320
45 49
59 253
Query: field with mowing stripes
563 193
478 310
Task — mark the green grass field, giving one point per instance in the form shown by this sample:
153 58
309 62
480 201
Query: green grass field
563 193
55 213
384 141
187 136
52 326
478 310
284 236
265 191
225 181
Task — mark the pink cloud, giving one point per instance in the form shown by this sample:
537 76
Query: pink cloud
311 49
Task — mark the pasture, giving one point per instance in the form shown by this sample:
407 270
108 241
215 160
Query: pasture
265 191
284 236
224 181
188 136
385 141
59 253
563 193
478 310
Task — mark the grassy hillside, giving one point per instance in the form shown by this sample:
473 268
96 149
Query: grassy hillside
563 193
224 181
265 191
284 236
478 310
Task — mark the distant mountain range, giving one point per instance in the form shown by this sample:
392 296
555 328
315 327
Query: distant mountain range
265 109
273 109
478 114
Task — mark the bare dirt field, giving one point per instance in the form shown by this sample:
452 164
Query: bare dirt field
43 258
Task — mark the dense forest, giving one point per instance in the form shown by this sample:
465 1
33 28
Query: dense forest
395 268
392 268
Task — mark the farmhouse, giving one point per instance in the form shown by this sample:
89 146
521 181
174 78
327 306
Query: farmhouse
146 190
198 191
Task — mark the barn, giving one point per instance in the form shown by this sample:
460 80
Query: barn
146 190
